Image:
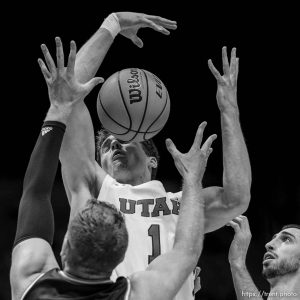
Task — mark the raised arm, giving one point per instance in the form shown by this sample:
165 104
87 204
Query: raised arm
166 274
243 283
81 173
77 154
224 204
32 253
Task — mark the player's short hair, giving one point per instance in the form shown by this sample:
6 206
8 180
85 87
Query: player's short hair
291 226
148 146
97 238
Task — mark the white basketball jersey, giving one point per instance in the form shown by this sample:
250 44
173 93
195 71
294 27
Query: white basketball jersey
151 216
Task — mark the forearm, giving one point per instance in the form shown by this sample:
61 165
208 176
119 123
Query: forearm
35 217
77 153
191 219
236 163
178 263
78 149
91 55
243 283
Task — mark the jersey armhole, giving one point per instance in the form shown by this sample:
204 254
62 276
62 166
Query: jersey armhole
128 289
31 285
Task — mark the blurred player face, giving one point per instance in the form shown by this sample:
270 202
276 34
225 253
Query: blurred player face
283 254
126 162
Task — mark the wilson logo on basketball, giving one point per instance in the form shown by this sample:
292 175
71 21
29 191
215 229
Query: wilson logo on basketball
134 87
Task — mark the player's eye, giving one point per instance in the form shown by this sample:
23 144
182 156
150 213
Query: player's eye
105 146
286 238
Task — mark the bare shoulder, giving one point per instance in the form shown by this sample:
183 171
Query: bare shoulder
138 286
147 286
30 259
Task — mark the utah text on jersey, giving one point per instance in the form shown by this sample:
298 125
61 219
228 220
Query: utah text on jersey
150 207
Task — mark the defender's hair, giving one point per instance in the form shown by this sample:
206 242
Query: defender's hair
97 238
291 226
148 146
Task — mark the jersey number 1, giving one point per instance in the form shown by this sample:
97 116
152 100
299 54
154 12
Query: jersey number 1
154 233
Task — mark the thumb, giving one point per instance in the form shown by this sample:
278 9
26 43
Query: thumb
137 41
93 82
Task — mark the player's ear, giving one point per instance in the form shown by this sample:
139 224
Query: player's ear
152 162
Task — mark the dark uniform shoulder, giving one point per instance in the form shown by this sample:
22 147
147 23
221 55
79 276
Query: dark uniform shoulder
54 285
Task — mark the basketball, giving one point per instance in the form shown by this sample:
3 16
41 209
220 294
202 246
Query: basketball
133 105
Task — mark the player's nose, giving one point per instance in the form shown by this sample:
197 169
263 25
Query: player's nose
116 144
270 246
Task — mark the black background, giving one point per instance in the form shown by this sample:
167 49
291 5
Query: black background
268 96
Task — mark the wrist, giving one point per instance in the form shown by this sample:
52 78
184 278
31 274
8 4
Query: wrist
59 113
48 124
111 23
193 186
192 181
231 110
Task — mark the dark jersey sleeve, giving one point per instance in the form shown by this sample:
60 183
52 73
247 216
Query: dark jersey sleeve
35 218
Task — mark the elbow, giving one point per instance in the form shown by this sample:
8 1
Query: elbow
245 200
189 261
241 201
237 198
190 255
237 192
243 207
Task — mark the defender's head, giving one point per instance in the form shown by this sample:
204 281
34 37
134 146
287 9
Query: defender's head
97 239
283 253
127 161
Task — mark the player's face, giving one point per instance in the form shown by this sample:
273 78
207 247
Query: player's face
283 254
124 161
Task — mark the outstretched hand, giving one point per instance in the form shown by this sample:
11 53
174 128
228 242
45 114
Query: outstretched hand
63 88
192 164
240 243
227 84
131 22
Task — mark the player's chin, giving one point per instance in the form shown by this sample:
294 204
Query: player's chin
120 164
120 170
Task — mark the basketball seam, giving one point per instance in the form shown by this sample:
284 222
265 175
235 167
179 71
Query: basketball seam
157 118
122 96
110 117
132 130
